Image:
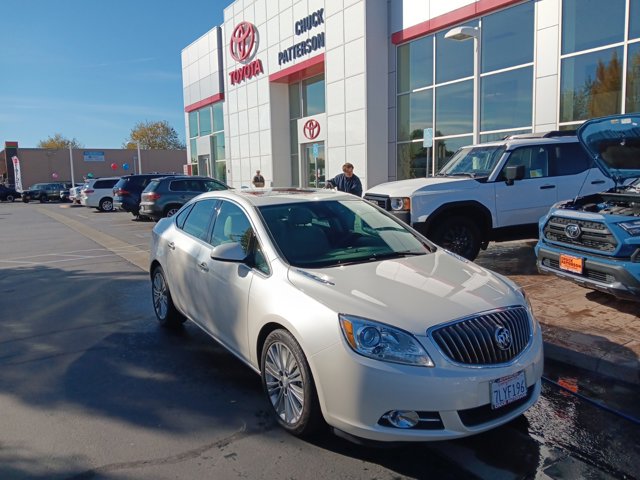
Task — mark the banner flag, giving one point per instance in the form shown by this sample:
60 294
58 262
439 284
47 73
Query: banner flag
16 172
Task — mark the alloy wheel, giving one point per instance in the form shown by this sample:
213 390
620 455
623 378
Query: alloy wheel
284 382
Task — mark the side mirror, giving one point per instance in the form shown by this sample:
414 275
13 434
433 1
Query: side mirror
513 173
229 252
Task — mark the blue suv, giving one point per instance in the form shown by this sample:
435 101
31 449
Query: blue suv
594 240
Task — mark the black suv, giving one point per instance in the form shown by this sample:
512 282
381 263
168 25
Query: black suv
8 194
43 192
164 196
126 193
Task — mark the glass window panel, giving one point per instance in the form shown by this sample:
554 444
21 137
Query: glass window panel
415 113
633 79
217 146
313 96
193 124
591 85
218 120
194 150
295 171
421 62
412 161
634 19
445 148
404 116
204 118
221 171
293 134
454 58
591 23
197 223
507 38
294 101
404 66
506 99
454 109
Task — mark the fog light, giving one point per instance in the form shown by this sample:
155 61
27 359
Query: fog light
403 418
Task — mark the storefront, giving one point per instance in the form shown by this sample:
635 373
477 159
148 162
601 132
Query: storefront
395 87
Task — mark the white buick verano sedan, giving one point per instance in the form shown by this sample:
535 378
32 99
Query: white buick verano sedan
350 316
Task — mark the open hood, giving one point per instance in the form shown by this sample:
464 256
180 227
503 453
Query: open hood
614 142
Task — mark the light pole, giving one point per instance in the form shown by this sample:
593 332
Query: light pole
139 159
465 33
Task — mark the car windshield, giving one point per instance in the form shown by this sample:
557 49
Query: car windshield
473 161
333 233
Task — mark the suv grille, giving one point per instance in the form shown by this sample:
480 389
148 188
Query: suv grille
382 201
473 341
594 235
601 277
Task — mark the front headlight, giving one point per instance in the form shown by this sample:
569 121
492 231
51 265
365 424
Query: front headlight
383 342
400 203
632 228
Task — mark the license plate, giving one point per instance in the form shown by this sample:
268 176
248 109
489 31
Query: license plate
506 390
571 264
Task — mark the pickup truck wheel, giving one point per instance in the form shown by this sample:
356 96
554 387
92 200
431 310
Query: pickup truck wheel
458 235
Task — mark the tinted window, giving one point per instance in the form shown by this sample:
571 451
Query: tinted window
178 186
570 159
210 186
506 99
182 216
507 38
104 183
588 24
454 109
535 160
197 222
454 58
232 225
415 64
415 113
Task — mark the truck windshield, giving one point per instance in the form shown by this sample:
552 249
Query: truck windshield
473 161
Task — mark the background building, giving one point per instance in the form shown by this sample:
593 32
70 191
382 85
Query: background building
296 88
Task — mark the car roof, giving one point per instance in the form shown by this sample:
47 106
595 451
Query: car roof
528 139
279 196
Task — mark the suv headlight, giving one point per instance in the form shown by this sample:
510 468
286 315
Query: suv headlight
632 227
400 203
383 342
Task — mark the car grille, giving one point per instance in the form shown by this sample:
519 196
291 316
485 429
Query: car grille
382 201
594 235
595 275
472 341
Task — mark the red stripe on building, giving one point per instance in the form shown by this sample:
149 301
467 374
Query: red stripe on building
203 103
300 71
462 14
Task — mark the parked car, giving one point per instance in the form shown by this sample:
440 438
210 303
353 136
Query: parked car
75 193
66 192
98 193
8 194
594 240
493 191
128 191
43 192
165 196
348 314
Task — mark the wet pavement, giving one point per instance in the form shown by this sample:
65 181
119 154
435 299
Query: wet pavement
580 327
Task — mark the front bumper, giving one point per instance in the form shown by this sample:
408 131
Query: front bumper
355 393
615 277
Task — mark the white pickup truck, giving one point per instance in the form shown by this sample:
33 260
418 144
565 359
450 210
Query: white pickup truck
493 191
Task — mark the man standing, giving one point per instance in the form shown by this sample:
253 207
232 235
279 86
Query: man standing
347 181
258 180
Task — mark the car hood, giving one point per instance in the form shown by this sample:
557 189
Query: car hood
406 188
614 143
412 293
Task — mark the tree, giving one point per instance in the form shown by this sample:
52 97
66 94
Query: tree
154 136
58 142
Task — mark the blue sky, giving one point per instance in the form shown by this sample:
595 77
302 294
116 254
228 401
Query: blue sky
92 69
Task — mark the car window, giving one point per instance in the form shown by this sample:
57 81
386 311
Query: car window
535 160
182 216
199 218
210 186
570 159
178 186
105 183
232 225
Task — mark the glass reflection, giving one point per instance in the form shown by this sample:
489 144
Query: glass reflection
415 113
506 99
204 118
634 19
218 122
454 109
313 96
454 58
415 64
413 161
632 103
507 38
589 23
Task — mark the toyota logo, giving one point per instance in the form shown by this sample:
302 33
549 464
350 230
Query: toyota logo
243 39
502 337
572 231
311 129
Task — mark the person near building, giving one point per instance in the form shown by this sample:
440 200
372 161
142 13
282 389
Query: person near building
258 179
347 181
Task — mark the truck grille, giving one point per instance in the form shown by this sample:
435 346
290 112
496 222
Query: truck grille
593 235
474 341
595 275
382 201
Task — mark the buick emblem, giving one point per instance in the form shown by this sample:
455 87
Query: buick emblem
311 129
502 336
243 39
572 231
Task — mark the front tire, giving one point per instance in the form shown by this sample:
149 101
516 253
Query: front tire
10 198
25 199
43 199
166 312
287 381
459 235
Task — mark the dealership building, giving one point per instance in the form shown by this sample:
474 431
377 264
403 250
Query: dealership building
297 88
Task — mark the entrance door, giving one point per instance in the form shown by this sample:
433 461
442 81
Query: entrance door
203 165
313 168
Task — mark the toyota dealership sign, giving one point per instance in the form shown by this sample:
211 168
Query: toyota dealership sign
243 45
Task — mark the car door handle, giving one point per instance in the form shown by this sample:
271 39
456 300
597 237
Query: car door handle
203 266
546 187
597 182
171 245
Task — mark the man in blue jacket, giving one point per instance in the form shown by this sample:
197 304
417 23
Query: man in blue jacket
347 181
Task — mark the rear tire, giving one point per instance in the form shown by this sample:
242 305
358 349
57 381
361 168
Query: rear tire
25 199
10 198
171 210
459 235
166 312
43 199
105 205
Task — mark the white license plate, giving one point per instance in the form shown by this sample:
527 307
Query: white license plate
506 390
